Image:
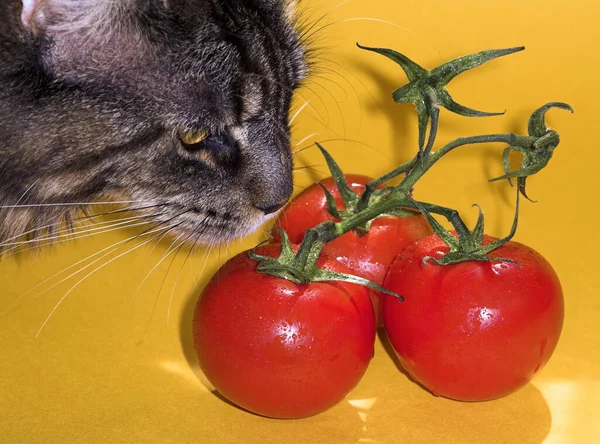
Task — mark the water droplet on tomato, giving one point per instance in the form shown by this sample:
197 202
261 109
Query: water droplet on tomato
499 267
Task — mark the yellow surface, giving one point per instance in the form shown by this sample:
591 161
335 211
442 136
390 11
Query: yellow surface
109 367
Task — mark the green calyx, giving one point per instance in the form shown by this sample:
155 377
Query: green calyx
427 88
301 267
353 202
467 245
537 155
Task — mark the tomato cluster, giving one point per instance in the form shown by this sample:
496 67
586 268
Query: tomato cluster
470 331
367 254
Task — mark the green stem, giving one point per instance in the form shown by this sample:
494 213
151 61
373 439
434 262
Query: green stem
422 167
313 243
452 215
390 202
404 168
374 184
316 238
434 114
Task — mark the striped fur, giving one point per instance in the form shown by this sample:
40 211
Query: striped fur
95 93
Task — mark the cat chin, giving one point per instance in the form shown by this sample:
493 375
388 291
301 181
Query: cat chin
231 233
249 228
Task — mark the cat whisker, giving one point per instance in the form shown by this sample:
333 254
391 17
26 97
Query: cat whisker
85 218
52 234
327 79
191 248
304 140
304 148
86 223
337 105
319 119
312 168
36 244
219 265
206 258
376 20
335 133
316 22
32 231
111 249
96 226
68 204
355 141
157 228
29 188
355 77
158 241
359 19
81 233
227 250
176 250
165 255
324 120
112 222
22 197
306 167
298 111
62 299
351 85
266 234
121 210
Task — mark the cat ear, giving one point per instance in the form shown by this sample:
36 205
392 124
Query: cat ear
31 9
67 15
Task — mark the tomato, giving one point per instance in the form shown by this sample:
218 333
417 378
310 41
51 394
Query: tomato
368 256
281 349
473 331
309 208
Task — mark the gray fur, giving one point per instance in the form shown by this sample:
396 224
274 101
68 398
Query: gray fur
94 96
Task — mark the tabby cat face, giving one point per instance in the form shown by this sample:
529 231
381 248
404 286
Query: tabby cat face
182 104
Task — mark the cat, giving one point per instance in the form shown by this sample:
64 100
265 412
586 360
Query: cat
177 107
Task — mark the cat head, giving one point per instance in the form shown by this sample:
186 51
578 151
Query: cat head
179 106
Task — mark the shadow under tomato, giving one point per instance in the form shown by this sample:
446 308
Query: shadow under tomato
387 346
406 413
187 343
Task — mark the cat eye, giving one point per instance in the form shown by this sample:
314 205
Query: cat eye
213 149
190 138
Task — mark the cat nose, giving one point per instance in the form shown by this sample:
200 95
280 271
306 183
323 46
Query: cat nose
271 208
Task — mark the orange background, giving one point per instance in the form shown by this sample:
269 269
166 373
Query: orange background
115 365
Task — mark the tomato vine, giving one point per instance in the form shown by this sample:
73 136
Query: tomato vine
426 89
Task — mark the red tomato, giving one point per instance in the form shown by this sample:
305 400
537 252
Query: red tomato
309 208
473 331
368 256
281 349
